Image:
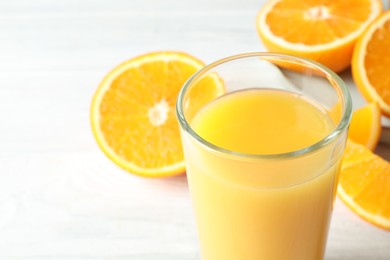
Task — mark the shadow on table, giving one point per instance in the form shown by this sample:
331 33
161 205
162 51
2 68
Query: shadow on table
383 150
352 257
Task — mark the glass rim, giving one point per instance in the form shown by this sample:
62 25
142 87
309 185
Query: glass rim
341 126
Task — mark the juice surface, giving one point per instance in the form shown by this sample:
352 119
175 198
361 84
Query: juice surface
252 209
262 122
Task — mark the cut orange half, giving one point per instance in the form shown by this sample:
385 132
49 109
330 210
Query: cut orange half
371 63
133 112
325 31
365 127
364 184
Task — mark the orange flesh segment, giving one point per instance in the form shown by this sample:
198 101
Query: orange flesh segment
365 184
365 127
124 114
304 19
377 61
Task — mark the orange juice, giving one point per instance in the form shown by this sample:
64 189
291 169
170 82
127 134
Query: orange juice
250 205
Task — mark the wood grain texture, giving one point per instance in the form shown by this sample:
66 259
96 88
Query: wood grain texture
60 197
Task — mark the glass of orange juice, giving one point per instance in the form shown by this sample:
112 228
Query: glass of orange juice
263 136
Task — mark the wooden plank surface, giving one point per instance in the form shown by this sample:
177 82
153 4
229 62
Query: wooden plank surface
60 197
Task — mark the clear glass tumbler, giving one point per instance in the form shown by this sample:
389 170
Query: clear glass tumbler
263 136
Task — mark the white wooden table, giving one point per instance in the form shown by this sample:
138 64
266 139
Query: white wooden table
60 197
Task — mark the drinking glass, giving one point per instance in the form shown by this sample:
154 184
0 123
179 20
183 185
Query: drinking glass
266 205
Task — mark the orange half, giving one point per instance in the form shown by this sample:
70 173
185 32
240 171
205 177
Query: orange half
133 112
371 63
325 31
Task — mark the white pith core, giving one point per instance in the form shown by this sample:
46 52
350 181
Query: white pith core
158 114
317 13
